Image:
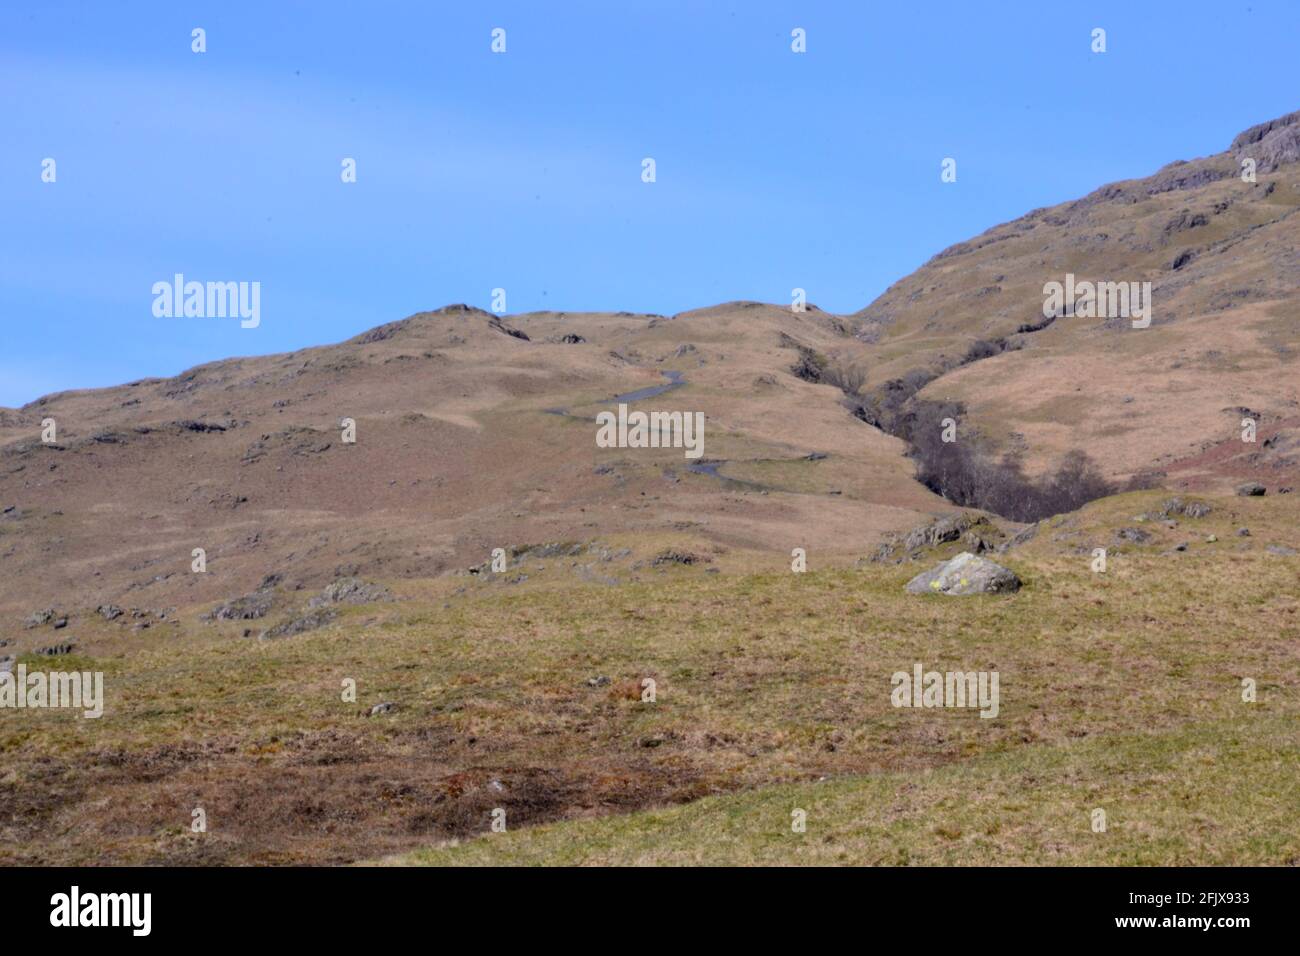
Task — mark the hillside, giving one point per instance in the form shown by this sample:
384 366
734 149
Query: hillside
468 439
330 561
1223 259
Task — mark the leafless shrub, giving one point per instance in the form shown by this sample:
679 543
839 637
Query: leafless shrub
849 378
965 473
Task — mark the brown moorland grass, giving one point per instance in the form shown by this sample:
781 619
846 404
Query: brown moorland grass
764 678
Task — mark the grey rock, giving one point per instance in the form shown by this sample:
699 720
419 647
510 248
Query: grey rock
109 611
1189 509
38 618
1271 144
965 574
56 650
1135 535
299 625
1021 537
947 528
1251 489
673 556
940 531
250 607
350 591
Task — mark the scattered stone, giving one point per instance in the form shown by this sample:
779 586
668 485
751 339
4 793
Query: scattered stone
250 607
38 618
1181 546
7 663
1243 532
1280 549
56 650
60 624
1135 535
1251 489
1211 539
350 591
387 707
109 612
1189 509
680 557
965 574
601 681
299 625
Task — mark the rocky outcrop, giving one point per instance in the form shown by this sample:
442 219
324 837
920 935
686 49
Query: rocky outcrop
350 591
300 625
1270 144
250 607
1188 509
975 531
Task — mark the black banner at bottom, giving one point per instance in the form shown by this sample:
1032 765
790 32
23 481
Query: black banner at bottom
1218 906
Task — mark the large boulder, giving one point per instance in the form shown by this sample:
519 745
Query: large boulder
965 574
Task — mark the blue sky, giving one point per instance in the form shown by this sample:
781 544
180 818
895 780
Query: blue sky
523 170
